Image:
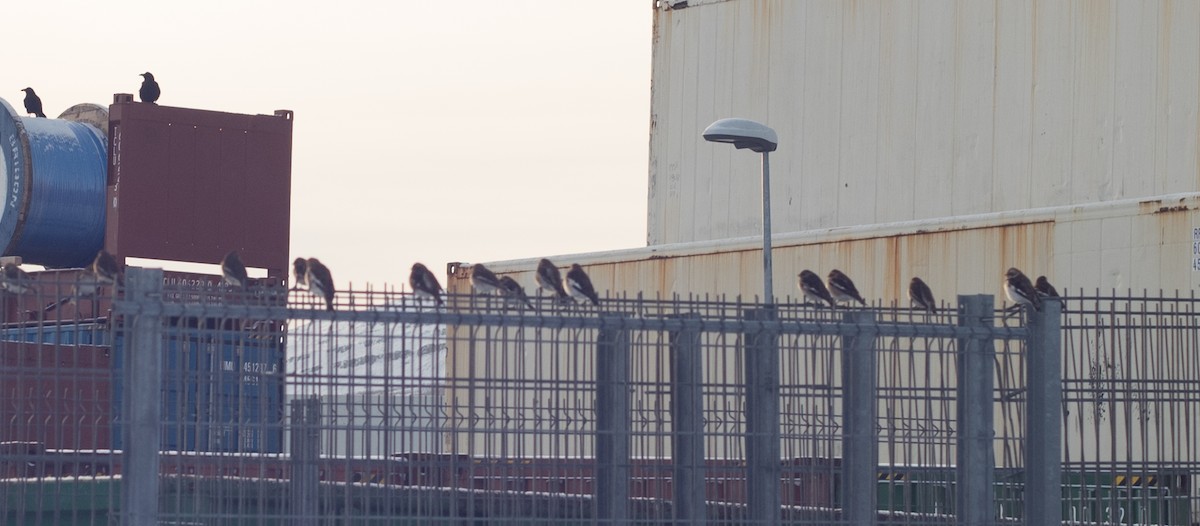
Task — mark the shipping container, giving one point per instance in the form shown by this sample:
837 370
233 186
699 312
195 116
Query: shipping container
222 389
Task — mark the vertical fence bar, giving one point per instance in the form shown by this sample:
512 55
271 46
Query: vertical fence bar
687 422
763 469
305 451
613 424
860 454
142 397
1043 454
975 474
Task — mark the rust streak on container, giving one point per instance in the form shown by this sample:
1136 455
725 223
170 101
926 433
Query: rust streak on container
892 279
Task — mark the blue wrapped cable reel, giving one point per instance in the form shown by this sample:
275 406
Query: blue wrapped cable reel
54 175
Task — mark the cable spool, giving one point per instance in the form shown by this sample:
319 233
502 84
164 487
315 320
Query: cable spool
53 173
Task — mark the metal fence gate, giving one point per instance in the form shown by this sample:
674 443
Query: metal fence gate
259 407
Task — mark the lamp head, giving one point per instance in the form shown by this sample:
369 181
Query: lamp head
743 133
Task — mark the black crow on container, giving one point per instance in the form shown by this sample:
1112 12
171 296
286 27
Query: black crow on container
33 103
149 91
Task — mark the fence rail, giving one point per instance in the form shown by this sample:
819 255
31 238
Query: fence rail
204 405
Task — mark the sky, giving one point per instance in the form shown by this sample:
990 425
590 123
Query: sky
473 130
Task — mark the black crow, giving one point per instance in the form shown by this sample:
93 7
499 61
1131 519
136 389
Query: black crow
33 103
149 91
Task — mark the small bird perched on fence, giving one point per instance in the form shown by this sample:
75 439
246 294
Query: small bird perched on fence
104 270
300 272
233 271
33 103
580 285
484 281
149 91
814 289
424 284
513 291
549 277
1019 290
1044 288
921 296
842 288
320 282
15 280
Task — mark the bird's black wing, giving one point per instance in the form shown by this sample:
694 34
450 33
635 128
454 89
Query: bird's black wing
321 281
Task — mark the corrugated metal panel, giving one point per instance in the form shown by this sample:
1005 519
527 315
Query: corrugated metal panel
1127 244
191 185
900 111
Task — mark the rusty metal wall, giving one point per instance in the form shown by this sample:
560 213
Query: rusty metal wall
191 185
1128 244
896 110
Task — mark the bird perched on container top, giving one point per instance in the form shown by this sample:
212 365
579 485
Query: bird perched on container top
14 279
320 281
149 91
33 103
580 285
424 284
233 271
549 277
842 289
921 296
514 291
483 280
1044 288
1019 290
812 287
300 271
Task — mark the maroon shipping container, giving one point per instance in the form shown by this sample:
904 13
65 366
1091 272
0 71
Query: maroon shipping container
191 185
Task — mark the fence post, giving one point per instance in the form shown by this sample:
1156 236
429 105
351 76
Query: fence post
763 471
1043 453
687 422
140 433
305 451
975 474
860 452
613 424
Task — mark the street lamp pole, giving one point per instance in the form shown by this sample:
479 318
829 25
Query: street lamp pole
768 288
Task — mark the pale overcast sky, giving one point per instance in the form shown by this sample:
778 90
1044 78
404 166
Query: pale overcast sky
471 130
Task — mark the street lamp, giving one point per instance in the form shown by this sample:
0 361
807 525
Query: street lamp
745 133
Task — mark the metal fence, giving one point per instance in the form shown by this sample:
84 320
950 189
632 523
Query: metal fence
193 404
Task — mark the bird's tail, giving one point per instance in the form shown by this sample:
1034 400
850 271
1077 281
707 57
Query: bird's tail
40 114
56 304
